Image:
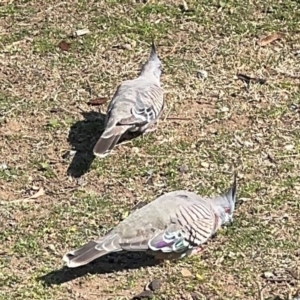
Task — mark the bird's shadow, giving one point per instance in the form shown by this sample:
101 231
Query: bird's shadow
83 136
104 265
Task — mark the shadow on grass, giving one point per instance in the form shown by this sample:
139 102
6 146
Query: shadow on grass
83 136
111 263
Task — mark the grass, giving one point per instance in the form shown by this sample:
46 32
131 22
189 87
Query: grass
223 125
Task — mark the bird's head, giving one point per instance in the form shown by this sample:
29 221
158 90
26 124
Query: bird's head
225 204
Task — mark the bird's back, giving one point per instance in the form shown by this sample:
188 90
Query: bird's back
129 91
159 213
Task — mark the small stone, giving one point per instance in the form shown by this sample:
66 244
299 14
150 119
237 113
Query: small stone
150 172
268 274
80 181
186 273
231 254
184 6
183 169
155 285
224 109
289 147
204 164
127 46
144 295
3 166
68 154
51 247
135 149
201 74
133 43
124 215
72 152
248 143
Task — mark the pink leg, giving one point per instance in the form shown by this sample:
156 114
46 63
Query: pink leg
196 251
151 129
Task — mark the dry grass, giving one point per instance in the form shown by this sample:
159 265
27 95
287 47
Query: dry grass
227 125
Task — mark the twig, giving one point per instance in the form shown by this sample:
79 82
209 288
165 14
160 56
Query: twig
260 292
90 90
167 114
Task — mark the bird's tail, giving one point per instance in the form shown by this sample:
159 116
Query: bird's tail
108 141
91 251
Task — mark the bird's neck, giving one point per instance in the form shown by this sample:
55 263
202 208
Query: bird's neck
150 76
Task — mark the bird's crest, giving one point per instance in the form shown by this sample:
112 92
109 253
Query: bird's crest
153 64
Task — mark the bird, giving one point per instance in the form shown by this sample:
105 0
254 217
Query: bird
173 226
136 106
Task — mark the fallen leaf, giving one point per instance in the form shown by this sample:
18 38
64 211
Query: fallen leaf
98 101
269 39
64 46
186 273
38 194
199 277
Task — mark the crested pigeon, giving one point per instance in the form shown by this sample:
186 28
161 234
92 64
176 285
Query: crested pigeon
135 107
174 225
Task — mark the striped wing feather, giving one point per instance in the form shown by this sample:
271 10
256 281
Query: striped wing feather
147 108
198 222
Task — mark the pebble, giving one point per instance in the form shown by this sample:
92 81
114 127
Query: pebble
204 164
3 166
202 74
155 285
183 169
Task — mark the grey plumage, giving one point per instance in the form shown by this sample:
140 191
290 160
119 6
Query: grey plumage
135 107
174 225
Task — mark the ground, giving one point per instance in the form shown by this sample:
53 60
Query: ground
210 129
